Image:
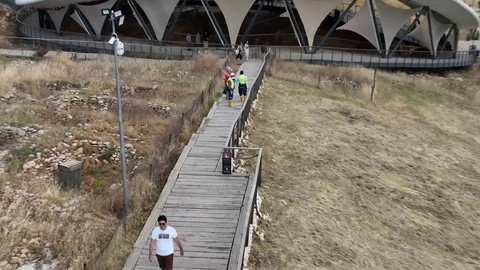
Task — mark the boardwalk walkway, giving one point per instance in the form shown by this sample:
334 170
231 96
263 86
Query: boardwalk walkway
206 207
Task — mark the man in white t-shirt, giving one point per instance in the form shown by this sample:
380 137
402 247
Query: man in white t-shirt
162 240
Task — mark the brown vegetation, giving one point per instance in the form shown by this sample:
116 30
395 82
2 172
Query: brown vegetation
350 184
7 25
71 107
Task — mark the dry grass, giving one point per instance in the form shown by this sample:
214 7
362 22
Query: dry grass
355 185
82 233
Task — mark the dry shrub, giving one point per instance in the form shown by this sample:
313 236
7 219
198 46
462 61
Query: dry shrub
142 192
138 114
476 98
5 44
101 122
205 63
111 200
365 92
314 75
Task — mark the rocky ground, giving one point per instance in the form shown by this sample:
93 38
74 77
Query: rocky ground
7 26
57 110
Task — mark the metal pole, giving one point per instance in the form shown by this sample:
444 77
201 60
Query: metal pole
120 120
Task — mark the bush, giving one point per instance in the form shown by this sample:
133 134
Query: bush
18 157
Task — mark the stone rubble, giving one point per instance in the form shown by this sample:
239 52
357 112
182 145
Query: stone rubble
41 164
74 98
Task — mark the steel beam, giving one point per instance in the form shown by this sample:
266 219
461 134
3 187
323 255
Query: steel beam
446 38
456 35
429 18
84 21
409 29
296 27
334 26
375 27
168 33
252 22
215 24
146 27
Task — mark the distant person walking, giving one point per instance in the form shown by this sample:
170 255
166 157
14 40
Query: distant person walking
205 39
162 240
230 88
197 38
189 39
246 50
242 86
239 52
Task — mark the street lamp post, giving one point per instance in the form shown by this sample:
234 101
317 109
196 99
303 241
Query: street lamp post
115 42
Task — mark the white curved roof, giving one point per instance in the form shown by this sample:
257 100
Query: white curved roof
455 10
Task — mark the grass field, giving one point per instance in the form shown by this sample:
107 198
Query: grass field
351 184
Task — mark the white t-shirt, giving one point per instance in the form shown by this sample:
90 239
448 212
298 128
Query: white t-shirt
164 240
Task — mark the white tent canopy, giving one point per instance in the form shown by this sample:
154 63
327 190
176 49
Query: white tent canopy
93 13
312 13
158 12
363 24
422 32
234 12
392 19
57 17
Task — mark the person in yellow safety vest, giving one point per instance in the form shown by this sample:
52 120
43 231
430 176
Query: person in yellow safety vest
242 86
231 87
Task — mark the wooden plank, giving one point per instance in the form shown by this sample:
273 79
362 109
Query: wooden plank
216 197
212 138
203 205
194 160
151 221
187 230
208 179
198 254
174 212
206 155
219 176
209 192
200 161
196 219
198 263
220 144
201 199
210 182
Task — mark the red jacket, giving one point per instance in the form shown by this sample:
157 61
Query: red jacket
226 76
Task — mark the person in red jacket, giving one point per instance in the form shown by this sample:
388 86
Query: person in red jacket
226 76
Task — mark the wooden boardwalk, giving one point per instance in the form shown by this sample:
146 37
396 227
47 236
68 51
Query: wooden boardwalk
206 207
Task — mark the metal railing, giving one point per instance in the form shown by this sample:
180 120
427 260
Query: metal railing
238 126
374 58
242 233
246 215
336 56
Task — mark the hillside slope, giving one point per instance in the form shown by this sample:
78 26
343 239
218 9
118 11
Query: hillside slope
7 25
348 184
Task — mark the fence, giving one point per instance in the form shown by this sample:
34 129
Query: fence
176 125
374 58
246 215
335 56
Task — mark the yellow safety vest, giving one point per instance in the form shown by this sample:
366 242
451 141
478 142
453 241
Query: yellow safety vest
231 83
242 79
